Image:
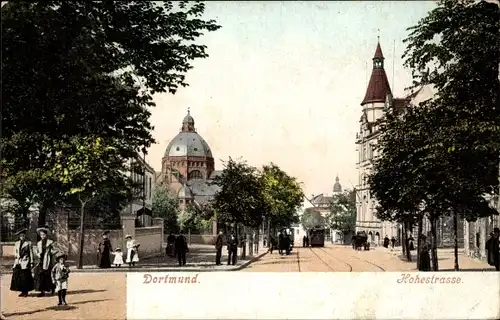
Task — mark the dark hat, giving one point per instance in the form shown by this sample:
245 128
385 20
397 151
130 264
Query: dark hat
496 230
105 233
22 231
61 255
43 229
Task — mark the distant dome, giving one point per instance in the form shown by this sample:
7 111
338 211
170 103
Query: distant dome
184 192
337 188
188 143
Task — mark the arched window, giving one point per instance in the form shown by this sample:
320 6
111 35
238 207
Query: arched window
195 174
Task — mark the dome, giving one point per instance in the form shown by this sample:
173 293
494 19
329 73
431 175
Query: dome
188 144
184 192
337 187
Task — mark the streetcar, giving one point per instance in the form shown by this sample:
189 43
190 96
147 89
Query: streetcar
317 237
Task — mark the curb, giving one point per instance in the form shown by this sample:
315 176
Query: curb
164 269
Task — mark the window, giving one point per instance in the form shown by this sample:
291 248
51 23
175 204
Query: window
195 174
149 188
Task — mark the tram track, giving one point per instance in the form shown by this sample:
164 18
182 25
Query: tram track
331 255
298 260
373 264
322 260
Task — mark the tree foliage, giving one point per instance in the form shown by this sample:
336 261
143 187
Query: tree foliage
80 68
283 196
191 220
342 214
312 218
167 207
240 198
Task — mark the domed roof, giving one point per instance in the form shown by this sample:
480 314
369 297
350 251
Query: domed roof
188 143
337 187
184 192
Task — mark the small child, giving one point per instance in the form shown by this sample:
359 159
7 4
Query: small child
60 275
118 257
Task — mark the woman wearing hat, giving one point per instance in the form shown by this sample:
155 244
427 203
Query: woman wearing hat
425 258
132 247
22 280
105 251
45 250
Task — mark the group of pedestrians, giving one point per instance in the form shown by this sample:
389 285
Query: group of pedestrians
42 267
392 242
305 241
105 251
177 246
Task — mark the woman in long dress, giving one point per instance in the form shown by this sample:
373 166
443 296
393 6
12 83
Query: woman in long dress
45 250
425 259
22 280
132 254
105 251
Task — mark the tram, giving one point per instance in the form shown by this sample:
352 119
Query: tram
317 237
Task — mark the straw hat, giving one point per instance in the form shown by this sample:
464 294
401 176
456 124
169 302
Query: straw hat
118 249
42 229
128 236
61 255
22 231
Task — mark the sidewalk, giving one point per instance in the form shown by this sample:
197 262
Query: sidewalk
446 259
200 258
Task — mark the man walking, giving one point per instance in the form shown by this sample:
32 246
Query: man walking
232 249
495 248
181 248
218 248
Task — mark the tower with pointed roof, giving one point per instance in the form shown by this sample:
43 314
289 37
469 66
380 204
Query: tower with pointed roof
377 98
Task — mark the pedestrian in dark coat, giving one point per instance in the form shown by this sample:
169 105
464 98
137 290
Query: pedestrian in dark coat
22 280
495 248
219 241
232 249
104 251
489 249
170 250
181 247
425 259
304 242
281 243
393 242
386 242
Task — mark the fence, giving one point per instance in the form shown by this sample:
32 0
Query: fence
8 231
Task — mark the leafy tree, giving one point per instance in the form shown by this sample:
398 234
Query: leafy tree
343 212
191 220
283 195
455 49
84 165
167 207
312 218
90 58
240 199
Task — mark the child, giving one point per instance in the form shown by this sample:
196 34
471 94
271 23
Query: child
60 275
118 257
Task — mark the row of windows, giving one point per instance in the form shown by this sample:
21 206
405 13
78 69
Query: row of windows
189 163
366 153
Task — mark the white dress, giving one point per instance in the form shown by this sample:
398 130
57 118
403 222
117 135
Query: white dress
118 258
132 248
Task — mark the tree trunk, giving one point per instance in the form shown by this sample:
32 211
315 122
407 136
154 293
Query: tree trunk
82 229
420 227
405 235
455 236
435 265
268 233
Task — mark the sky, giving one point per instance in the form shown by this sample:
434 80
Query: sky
284 81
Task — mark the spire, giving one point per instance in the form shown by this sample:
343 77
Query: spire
188 123
378 86
337 188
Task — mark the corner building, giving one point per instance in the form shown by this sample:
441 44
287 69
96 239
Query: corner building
378 97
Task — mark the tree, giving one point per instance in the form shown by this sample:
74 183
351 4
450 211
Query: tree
167 207
99 63
191 220
312 218
84 165
283 195
240 199
342 214
455 49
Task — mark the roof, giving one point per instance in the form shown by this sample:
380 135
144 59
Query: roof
188 143
321 200
378 86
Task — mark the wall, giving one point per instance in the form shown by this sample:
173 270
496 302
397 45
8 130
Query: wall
201 238
151 241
